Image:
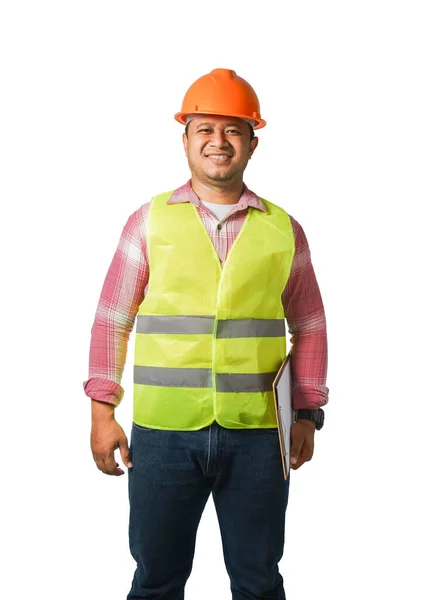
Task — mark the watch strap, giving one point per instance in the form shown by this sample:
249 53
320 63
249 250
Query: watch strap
317 415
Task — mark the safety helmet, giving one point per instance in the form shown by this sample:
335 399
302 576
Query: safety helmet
221 92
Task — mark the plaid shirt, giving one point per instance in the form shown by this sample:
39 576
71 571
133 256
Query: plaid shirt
126 284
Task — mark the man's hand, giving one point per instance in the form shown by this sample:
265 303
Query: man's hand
106 436
302 442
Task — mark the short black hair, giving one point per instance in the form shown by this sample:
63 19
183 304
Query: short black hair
252 133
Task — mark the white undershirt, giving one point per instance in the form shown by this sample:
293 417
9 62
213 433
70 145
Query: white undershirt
220 210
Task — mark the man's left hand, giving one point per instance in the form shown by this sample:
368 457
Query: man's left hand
302 442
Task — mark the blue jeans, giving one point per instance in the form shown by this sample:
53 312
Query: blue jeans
171 479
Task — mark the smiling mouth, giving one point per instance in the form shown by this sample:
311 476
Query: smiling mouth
219 158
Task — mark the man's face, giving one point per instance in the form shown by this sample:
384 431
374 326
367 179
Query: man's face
218 148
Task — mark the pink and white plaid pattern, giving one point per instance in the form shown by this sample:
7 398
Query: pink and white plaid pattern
126 284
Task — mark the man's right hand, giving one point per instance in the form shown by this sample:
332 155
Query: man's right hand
106 436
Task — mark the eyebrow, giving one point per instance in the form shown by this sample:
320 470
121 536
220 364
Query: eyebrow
227 125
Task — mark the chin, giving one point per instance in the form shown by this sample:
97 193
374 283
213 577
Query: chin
219 176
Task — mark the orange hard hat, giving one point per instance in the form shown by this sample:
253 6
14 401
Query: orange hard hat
221 92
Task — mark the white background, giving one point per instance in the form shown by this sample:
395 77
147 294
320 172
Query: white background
88 93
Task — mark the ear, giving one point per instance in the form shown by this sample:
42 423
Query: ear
185 143
253 146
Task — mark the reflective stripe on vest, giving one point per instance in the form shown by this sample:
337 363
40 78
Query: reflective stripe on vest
196 378
202 378
211 337
227 328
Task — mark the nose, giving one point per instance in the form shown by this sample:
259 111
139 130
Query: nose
218 139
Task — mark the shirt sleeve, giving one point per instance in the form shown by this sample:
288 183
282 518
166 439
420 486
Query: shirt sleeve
122 293
305 315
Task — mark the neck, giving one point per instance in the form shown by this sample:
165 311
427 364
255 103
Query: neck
229 194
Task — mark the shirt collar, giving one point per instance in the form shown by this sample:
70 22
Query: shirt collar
185 193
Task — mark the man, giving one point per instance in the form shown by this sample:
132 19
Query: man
210 270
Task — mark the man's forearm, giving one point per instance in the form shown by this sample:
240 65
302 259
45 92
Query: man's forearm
102 410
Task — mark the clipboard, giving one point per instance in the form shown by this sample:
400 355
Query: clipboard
282 390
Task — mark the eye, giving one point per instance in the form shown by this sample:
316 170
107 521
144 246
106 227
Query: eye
234 131
203 130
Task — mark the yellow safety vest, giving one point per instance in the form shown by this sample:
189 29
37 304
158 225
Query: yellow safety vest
210 339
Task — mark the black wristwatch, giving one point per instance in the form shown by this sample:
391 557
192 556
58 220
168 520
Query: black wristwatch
317 415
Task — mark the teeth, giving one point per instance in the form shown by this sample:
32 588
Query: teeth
220 157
